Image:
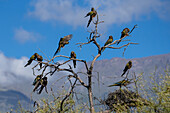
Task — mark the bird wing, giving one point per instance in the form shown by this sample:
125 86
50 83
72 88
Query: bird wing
126 82
94 13
108 42
126 67
67 38
74 55
113 85
116 84
89 13
39 58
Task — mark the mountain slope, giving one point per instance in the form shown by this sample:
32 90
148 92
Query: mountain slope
9 100
109 73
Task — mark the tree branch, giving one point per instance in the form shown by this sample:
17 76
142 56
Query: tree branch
81 82
62 102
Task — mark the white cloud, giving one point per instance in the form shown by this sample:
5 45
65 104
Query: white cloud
23 35
58 10
12 70
115 11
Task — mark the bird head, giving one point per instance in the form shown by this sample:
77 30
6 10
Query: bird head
45 78
92 9
41 75
130 62
127 30
110 37
36 54
72 52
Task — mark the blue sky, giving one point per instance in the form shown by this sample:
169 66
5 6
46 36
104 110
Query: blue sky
26 26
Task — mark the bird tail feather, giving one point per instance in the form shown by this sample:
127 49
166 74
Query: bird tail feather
58 50
89 21
118 42
74 62
112 85
123 73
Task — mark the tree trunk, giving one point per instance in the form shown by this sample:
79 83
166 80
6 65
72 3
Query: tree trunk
90 94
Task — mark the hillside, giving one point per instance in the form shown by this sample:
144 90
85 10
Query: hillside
9 100
109 72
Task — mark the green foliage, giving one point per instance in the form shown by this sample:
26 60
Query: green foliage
48 106
157 93
151 96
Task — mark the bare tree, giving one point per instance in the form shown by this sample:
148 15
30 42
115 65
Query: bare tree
57 67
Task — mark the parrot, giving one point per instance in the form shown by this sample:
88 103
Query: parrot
92 14
121 83
124 33
128 66
63 41
38 78
33 57
37 84
110 40
43 84
73 55
40 58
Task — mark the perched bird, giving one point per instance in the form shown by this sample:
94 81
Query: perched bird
33 57
121 83
110 40
38 78
43 84
63 41
39 58
37 84
73 55
124 33
128 66
92 14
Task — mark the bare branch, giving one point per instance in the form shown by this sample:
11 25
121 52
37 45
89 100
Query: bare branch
122 45
72 59
81 44
81 82
98 46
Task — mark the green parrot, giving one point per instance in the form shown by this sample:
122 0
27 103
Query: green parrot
110 40
73 55
43 84
38 78
63 41
92 14
37 84
33 57
121 83
39 58
128 66
124 33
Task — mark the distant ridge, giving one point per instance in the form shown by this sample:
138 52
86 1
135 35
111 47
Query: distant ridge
9 100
